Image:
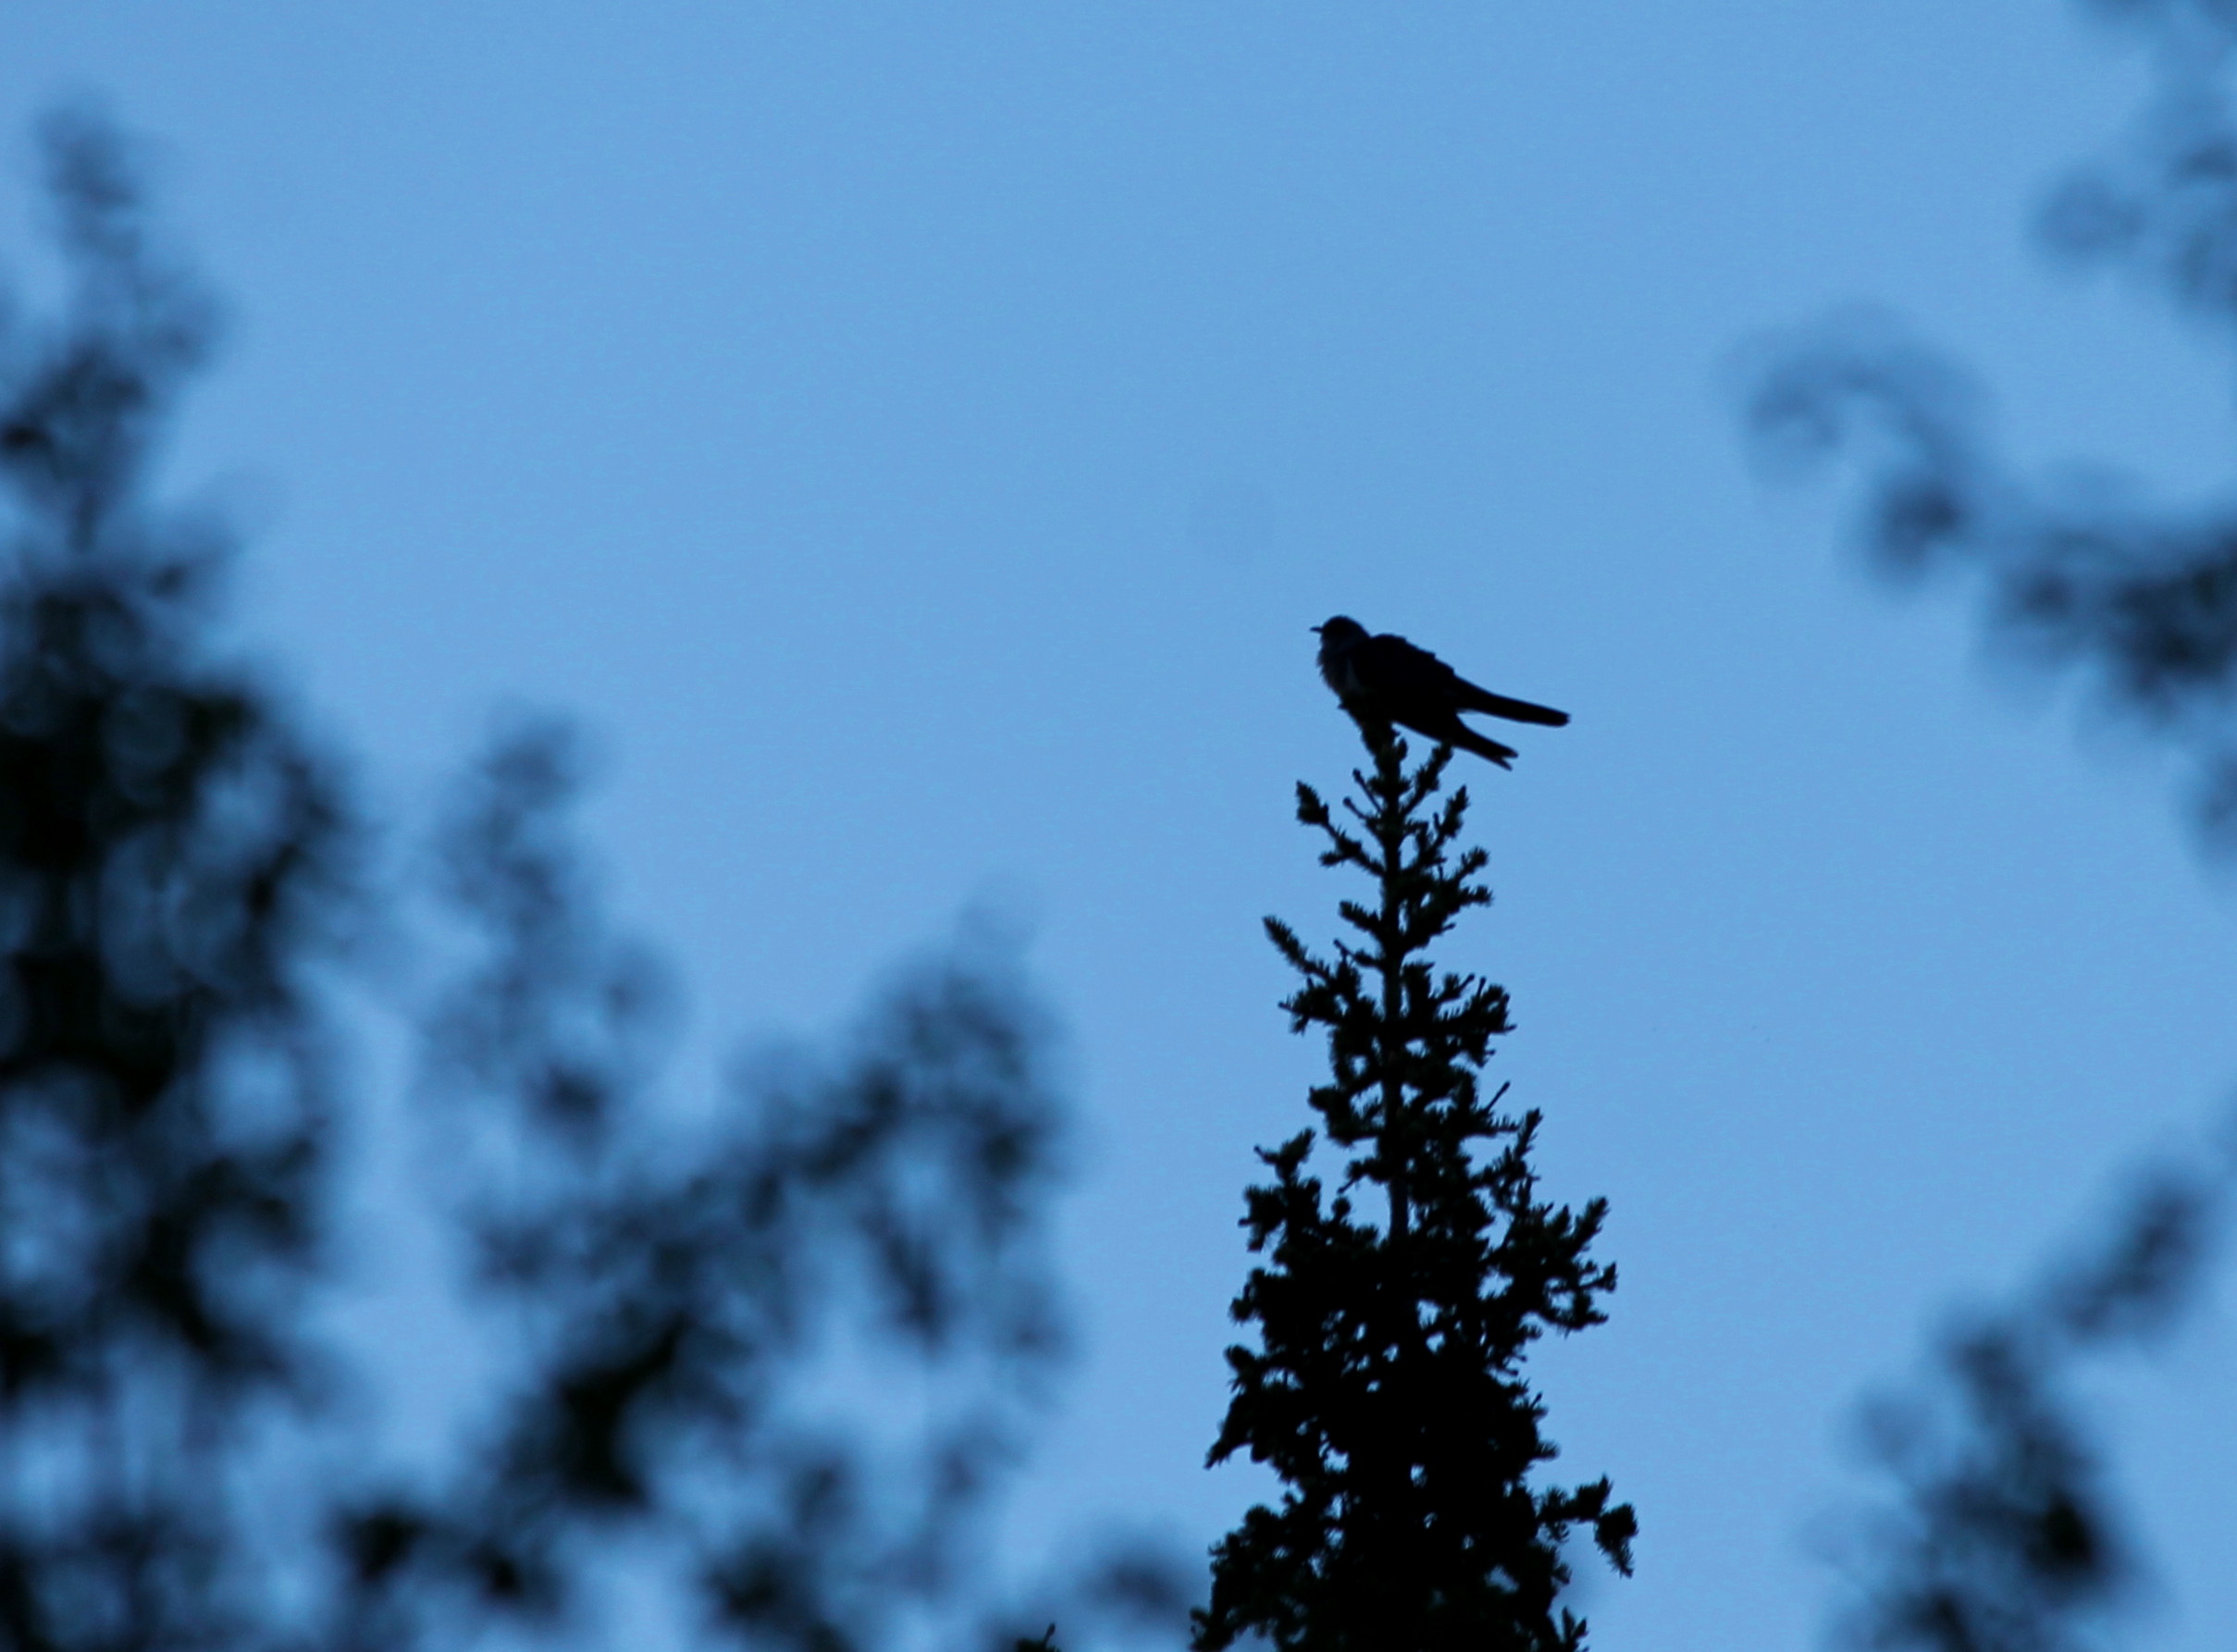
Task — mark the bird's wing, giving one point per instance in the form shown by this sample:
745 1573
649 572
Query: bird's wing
1454 731
1390 665
1472 698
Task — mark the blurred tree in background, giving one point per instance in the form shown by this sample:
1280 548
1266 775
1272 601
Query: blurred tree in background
174 855
2077 572
785 1362
2002 1535
755 1384
1387 1390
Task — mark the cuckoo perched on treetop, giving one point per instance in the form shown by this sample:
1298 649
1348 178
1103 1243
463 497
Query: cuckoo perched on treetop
1386 679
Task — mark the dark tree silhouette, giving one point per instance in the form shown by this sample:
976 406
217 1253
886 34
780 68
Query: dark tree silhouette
173 859
1387 1389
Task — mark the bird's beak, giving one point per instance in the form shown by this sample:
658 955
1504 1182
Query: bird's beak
1316 630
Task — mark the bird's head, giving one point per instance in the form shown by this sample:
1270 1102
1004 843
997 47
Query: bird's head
1341 632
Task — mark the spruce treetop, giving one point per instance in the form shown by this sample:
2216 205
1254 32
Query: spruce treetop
1387 1389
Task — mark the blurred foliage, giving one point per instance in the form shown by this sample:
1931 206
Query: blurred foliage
2078 571
867 1228
757 1382
2004 1533
174 856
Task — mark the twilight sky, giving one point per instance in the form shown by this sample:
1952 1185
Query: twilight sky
917 439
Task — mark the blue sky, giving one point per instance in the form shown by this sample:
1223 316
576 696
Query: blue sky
918 438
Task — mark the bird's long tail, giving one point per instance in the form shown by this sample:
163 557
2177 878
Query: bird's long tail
1473 698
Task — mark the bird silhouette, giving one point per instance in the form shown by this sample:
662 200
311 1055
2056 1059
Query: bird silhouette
1386 679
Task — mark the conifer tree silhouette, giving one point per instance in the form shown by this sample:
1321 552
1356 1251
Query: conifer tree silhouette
1387 1389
